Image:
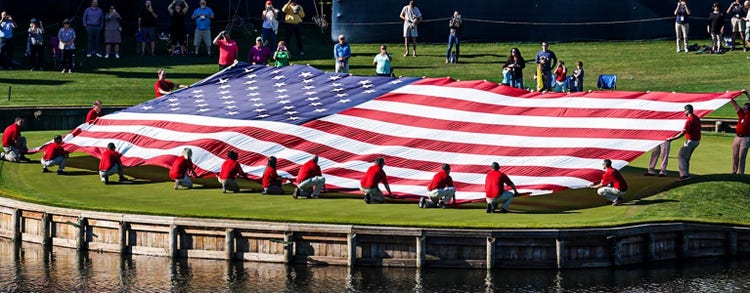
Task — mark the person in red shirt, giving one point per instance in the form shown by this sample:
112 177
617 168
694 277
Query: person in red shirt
54 154
440 190
613 185
227 49
741 141
110 164
181 169
14 145
95 112
271 180
310 181
494 188
164 86
229 171
369 183
692 133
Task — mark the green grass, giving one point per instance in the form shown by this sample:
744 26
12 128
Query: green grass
639 65
713 197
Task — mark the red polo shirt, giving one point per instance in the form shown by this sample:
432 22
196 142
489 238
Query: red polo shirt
230 169
269 177
307 171
743 123
11 134
92 115
693 128
166 85
494 185
440 180
612 176
180 167
53 150
109 159
373 177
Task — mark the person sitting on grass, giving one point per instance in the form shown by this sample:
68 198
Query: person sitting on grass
181 169
494 188
369 183
613 185
110 164
95 112
54 154
271 180
310 181
229 171
440 191
14 145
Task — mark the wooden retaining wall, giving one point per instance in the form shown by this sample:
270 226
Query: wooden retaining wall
366 245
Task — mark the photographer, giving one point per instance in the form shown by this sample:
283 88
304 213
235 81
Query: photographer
681 25
281 56
270 25
293 15
7 25
737 12
36 44
227 49
411 16
147 27
177 9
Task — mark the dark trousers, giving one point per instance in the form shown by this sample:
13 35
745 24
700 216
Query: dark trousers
6 53
293 29
67 59
37 56
453 39
93 38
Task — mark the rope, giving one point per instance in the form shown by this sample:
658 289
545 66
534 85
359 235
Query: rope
521 22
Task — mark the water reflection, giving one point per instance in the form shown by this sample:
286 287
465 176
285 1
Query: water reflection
31 268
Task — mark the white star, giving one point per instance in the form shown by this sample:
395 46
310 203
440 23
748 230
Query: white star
315 104
251 88
293 118
278 77
280 90
253 94
289 107
307 87
248 70
259 110
280 84
203 110
174 109
320 110
276 71
291 112
199 101
334 77
224 92
367 86
223 80
306 74
310 93
173 99
255 99
250 76
232 113
263 115
228 102
395 81
336 84
226 97
282 97
342 95
197 91
225 86
258 104
201 105
307 80
369 91
284 102
230 107
366 81
251 81
344 101
198 96
338 89
174 104
312 99
147 107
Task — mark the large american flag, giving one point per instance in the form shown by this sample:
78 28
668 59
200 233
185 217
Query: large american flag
545 142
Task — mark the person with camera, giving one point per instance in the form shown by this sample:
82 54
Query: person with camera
36 44
147 27
681 25
202 16
454 36
294 13
178 10
93 20
227 49
112 36
737 12
281 56
7 25
411 16
270 25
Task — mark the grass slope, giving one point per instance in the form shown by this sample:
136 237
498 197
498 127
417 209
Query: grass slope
714 198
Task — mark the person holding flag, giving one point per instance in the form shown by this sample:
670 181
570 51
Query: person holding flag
613 185
494 188
369 183
440 190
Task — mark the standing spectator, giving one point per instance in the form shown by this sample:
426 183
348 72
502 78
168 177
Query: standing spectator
747 19
411 16
715 27
202 16
454 36
270 25
561 76
310 181
341 53
95 112
661 150
14 145
515 66
181 169
67 43
229 171
741 141
147 27
36 42
681 24
281 56
177 42
271 180
369 183
164 86
494 188
227 49
54 154
259 54
382 62
294 13
93 20
112 29
692 133
110 164
613 185
578 75
440 191
546 60
7 25
737 12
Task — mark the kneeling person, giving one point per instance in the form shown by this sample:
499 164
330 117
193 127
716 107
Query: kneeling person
369 183
110 164
181 169
494 187
310 180
271 180
229 171
54 154
613 185
14 145
440 191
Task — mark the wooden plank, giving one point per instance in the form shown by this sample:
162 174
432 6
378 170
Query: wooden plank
61 242
104 247
149 228
32 215
155 251
304 237
104 224
206 232
262 257
257 235
191 253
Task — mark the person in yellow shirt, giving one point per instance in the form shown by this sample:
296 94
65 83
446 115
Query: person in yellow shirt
294 13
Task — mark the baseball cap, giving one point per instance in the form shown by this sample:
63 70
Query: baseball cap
269 2
259 39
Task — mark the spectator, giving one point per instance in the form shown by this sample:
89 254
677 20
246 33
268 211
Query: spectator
578 76
164 86
736 11
181 169
7 25
95 112
715 27
741 141
369 183
494 188
561 77
14 145
341 53
382 62
147 27
281 56
294 13
692 133
440 191
271 180
515 66
681 24
310 181
93 20
177 42
202 16
36 44
270 25
67 43
54 154
411 16
661 150
746 19
229 171
111 163
454 36
227 49
112 36
546 60
259 54
613 185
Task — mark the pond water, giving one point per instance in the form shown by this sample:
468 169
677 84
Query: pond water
30 268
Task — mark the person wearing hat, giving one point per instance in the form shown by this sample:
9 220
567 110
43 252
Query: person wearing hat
692 133
369 183
341 53
259 54
270 25
95 112
36 44
494 188
67 43
54 154
440 191
227 49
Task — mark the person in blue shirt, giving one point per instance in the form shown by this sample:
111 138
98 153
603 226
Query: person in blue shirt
202 16
342 52
93 21
681 25
382 62
7 25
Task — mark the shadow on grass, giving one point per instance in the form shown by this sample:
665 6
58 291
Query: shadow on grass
80 173
171 74
15 81
643 202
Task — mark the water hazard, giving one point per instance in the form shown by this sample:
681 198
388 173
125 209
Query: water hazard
30 268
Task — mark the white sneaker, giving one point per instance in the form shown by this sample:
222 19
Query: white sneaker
117 55
686 50
98 55
88 55
106 56
678 50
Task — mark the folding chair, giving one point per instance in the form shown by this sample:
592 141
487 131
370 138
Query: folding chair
607 82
